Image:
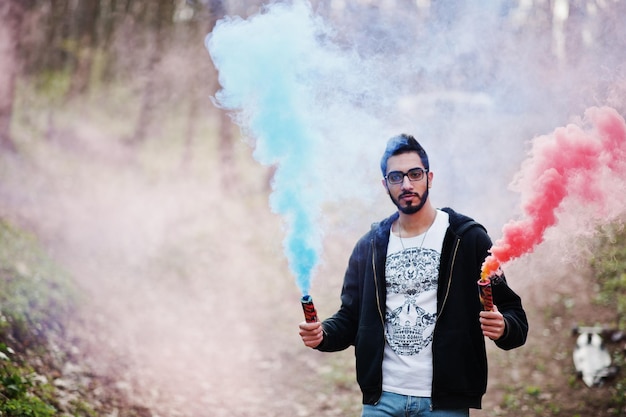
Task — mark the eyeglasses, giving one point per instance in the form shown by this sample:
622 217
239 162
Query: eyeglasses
397 177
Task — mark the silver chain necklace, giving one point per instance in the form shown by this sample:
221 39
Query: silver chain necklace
423 238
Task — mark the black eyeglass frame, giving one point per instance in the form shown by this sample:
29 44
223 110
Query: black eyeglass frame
417 173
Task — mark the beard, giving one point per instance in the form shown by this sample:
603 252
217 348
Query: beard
410 208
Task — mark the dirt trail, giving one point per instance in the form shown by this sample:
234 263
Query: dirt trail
190 308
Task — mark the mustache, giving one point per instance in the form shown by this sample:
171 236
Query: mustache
409 194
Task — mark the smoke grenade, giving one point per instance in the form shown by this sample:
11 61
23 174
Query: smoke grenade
485 294
310 315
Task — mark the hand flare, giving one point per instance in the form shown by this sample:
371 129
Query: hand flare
485 294
310 315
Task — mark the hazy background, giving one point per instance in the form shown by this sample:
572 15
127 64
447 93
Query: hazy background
160 207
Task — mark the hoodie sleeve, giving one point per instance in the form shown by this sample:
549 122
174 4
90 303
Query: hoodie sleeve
340 330
510 305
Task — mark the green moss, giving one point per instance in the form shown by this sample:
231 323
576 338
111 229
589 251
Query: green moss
35 297
20 395
34 293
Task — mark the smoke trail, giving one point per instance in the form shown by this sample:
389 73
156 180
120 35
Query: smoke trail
285 81
586 162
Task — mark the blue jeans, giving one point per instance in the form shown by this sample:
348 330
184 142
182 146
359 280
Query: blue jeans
396 405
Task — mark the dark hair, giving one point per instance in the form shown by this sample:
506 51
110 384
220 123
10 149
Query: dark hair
400 144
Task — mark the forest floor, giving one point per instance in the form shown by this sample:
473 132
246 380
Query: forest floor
190 310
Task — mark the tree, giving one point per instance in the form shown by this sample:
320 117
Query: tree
226 147
159 19
11 18
84 36
209 12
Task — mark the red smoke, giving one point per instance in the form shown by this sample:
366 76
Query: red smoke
569 163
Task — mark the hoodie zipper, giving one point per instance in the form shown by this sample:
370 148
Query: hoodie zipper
445 298
380 312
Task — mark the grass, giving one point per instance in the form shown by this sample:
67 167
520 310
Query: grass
20 393
35 297
34 292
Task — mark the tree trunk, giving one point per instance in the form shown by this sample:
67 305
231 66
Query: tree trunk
160 23
84 36
573 31
210 12
226 148
11 17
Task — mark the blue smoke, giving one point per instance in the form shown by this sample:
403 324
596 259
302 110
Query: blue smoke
316 105
270 67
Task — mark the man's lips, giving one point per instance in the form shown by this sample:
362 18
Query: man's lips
408 196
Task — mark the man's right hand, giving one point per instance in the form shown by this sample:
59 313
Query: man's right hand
311 333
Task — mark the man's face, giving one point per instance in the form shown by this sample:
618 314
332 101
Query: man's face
409 196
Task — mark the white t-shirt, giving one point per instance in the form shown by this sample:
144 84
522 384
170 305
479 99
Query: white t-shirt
412 271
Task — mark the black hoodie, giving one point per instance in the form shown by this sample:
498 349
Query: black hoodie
459 356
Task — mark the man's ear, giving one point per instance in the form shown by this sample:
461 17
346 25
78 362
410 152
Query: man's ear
384 183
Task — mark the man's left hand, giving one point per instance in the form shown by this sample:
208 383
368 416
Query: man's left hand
492 323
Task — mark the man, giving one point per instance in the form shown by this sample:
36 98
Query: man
410 304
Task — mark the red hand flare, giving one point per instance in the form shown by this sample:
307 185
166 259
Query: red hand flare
484 294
